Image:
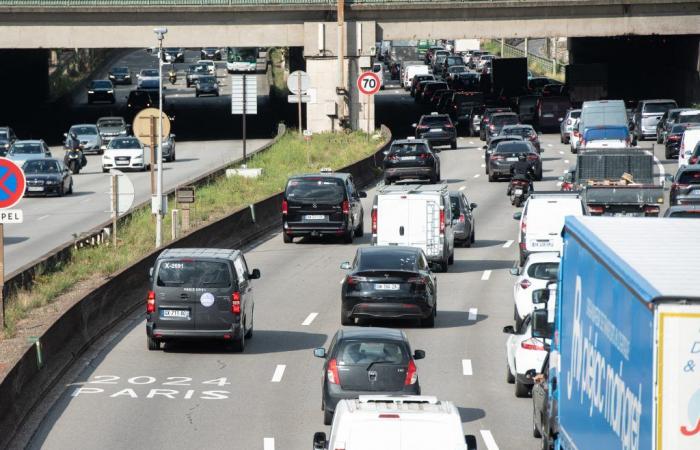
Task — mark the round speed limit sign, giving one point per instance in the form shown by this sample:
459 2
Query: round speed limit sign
368 83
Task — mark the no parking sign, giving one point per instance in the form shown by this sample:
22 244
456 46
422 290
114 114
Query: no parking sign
12 186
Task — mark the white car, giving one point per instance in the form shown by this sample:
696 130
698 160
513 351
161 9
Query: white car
23 151
538 270
384 422
542 220
147 75
691 137
523 352
575 137
125 153
378 70
211 67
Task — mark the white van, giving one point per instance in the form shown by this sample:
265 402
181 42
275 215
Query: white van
382 422
690 138
411 71
378 69
542 220
416 216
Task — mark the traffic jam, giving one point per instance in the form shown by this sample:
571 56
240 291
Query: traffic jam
527 232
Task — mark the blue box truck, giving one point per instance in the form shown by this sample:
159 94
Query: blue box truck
624 368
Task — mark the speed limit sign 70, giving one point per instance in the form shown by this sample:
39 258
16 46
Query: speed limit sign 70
368 83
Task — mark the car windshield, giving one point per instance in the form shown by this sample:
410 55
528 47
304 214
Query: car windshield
101 85
83 130
658 107
368 352
512 147
125 143
207 80
193 273
149 73
26 149
110 123
388 260
434 120
689 177
120 70
409 149
41 166
318 189
3 134
150 84
544 271
689 118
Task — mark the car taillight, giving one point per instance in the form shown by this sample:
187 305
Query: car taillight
523 224
424 156
583 142
332 372
393 157
651 210
533 137
417 280
525 284
532 344
693 160
533 157
449 125
374 220
346 207
411 374
353 280
442 221
673 137
236 302
497 157
285 207
151 302
596 209
492 127
461 218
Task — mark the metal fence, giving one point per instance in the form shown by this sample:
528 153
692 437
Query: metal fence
549 66
141 3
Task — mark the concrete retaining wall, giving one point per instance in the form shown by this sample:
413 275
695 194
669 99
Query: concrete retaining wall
27 383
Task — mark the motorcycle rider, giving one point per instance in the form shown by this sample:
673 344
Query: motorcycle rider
172 75
73 145
521 170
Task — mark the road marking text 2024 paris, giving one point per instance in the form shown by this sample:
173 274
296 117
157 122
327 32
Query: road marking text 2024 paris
115 391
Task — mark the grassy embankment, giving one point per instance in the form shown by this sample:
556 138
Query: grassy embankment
223 196
535 67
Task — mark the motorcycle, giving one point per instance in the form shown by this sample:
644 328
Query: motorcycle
74 160
519 191
172 76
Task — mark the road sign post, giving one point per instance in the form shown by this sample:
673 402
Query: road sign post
146 131
368 83
12 186
244 101
121 199
298 84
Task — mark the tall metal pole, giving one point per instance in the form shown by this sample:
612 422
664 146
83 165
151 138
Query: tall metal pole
299 103
341 57
244 108
159 156
2 276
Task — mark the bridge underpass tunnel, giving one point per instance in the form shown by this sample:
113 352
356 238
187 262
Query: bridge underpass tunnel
24 81
643 67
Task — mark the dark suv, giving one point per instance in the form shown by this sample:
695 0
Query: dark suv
437 129
322 204
486 119
200 293
411 159
686 186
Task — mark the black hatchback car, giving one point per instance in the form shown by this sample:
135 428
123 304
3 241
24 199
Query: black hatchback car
200 293
367 361
685 189
47 176
322 204
120 75
390 282
411 159
437 129
493 143
673 140
506 153
100 91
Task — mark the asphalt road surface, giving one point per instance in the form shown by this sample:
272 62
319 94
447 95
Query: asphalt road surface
204 141
121 395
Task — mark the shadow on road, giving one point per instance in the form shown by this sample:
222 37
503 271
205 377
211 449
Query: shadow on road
462 266
471 414
263 341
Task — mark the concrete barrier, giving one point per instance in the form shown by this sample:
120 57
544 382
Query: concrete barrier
72 333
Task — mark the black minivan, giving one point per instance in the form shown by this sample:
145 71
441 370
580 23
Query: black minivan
322 204
200 293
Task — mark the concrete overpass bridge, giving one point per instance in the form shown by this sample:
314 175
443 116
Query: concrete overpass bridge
311 25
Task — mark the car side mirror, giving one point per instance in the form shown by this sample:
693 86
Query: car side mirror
362 194
509 329
320 352
346 265
473 205
419 354
560 178
49 154
255 274
540 296
484 147
103 147
385 152
514 271
541 327
150 272
172 135
668 177
320 441
517 216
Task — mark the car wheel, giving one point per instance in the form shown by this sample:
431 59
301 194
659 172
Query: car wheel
360 230
546 445
453 145
152 343
345 317
521 259
561 139
429 322
61 191
287 238
451 259
667 154
535 432
539 176
566 140
349 236
473 237
659 139
327 417
238 345
521 390
105 170
433 179
70 188
510 379
491 178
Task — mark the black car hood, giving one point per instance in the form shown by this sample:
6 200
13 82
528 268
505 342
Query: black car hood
42 176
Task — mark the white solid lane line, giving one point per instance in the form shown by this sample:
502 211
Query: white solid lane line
486 275
462 188
279 373
43 217
473 313
489 440
508 244
310 318
561 152
467 367
269 444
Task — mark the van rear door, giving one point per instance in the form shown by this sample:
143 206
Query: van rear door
392 220
176 298
215 287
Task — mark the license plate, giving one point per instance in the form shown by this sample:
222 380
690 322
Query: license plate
518 192
122 163
386 287
175 313
436 130
511 159
547 115
314 217
540 244
408 158
35 189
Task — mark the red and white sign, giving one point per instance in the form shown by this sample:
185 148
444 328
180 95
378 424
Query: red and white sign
12 183
368 83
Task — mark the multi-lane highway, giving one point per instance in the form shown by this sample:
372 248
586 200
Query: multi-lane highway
121 395
51 222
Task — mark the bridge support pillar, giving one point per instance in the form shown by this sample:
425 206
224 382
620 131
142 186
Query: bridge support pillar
334 103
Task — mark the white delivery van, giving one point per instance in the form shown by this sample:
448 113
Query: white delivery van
382 422
417 216
690 138
411 71
542 220
378 69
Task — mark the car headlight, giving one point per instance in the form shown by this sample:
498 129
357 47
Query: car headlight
127 76
91 92
122 132
138 157
110 91
111 77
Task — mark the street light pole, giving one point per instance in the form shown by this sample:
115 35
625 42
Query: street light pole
160 32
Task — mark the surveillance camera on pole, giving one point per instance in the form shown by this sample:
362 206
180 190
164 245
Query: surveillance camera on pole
158 205
160 32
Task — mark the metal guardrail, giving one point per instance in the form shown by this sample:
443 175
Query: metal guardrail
146 3
550 66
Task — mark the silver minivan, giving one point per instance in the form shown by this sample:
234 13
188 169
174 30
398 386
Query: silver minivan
647 116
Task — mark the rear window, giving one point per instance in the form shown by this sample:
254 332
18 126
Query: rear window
412 149
193 273
575 114
658 107
597 134
319 189
455 60
454 200
513 147
435 120
544 271
678 128
390 260
689 177
685 214
368 352
505 120
689 118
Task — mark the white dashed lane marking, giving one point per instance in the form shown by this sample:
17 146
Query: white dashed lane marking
462 188
473 313
43 217
310 318
269 443
489 440
508 244
476 176
467 367
279 373
486 275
